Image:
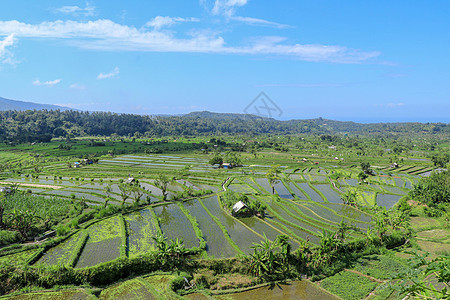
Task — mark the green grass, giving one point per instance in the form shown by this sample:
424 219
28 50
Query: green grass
379 266
348 285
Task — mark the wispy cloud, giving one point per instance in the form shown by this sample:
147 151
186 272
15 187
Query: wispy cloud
111 74
5 53
159 21
227 7
108 35
50 83
260 22
87 11
77 86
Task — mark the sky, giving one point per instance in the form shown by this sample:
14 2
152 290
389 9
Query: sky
362 61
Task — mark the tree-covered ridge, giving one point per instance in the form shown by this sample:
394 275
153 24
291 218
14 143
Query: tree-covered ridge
42 125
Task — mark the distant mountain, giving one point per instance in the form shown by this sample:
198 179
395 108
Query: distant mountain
7 104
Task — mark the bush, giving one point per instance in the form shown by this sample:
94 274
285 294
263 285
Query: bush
9 237
62 230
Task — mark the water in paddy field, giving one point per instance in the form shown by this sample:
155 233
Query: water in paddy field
314 196
331 195
216 243
293 290
241 235
387 201
283 191
174 224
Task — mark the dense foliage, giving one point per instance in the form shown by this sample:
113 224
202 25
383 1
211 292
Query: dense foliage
42 125
433 190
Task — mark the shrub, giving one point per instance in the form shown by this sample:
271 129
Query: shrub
9 237
62 230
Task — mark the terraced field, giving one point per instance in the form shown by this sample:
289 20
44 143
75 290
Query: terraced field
303 205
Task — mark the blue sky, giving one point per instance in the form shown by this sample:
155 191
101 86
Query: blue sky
365 61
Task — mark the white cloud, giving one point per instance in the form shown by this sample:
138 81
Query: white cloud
50 83
77 86
5 54
76 10
108 35
160 21
111 74
227 7
260 22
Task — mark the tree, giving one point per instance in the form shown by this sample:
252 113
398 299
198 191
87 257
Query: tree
124 191
162 182
233 158
362 176
216 160
137 192
22 221
108 191
349 198
273 175
270 260
432 190
365 167
440 160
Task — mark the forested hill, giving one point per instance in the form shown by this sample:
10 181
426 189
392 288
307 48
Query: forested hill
42 125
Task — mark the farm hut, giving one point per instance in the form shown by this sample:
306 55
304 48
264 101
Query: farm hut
238 206
76 164
130 180
227 166
394 166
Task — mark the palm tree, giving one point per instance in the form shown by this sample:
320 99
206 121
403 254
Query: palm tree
273 175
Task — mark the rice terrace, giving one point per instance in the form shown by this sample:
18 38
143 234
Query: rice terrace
160 219
224 149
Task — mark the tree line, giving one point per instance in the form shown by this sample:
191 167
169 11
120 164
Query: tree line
42 125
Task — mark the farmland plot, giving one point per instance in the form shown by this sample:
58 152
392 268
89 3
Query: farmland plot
250 182
293 221
387 200
297 191
350 212
174 224
17 258
329 193
141 229
394 190
241 235
103 243
283 191
312 193
264 184
216 244
60 254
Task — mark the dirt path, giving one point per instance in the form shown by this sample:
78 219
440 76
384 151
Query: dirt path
55 187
